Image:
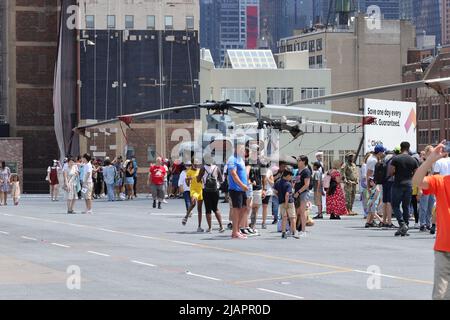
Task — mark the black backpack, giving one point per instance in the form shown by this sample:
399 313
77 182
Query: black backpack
211 182
380 174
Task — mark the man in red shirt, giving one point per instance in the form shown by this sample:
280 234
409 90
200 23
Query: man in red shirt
156 177
439 186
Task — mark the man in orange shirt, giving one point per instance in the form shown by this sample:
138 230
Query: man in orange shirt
439 186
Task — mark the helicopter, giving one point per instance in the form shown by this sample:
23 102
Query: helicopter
221 136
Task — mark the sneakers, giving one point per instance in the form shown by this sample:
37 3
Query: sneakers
209 230
159 205
402 231
222 230
369 225
319 216
422 228
301 234
184 221
275 221
70 212
244 231
200 230
263 226
230 226
283 235
154 204
296 235
89 212
416 226
433 229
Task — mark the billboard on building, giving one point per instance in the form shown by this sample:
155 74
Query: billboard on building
252 27
395 122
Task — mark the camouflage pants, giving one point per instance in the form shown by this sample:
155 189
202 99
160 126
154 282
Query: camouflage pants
350 193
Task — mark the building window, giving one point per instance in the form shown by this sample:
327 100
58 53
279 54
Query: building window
319 44
90 22
111 22
151 23
312 61
423 137
328 158
312 46
309 93
239 94
168 22
435 136
423 113
190 23
281 96
304 46
435 112
289 48
129 22
319 62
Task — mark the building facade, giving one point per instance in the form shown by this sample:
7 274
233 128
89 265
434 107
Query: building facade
428 18
230 24
3 61
353 56
433 110
445 27
136 58
29 52
389 9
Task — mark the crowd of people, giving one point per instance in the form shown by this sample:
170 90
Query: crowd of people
399 183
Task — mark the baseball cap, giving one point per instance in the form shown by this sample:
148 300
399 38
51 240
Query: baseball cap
396 150
379 148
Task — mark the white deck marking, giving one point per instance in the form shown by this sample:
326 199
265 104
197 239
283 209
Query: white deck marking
143 263
202 276
280 293
28 238
99 253
4 232
59 245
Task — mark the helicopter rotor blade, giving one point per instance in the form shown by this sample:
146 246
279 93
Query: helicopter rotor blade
294 108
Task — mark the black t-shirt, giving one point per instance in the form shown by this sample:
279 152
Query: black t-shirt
282 187
255 176
300 179
405 165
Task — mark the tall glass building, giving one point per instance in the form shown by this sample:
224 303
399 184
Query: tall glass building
427 18
390 9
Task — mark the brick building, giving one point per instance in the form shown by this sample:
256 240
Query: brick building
433 110
12 154
30 52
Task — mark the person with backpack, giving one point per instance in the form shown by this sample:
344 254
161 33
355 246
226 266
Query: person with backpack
350 178
302 187
211 178
335 198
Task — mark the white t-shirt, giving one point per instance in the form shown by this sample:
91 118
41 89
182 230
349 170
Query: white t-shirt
442 166
371 163
87 173
182 181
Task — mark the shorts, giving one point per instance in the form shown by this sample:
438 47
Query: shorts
387 191
211 200
266 200
198 195
238 199
257 197
303 197
158 192
88 194
118 182
129 180
175 179
289 212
